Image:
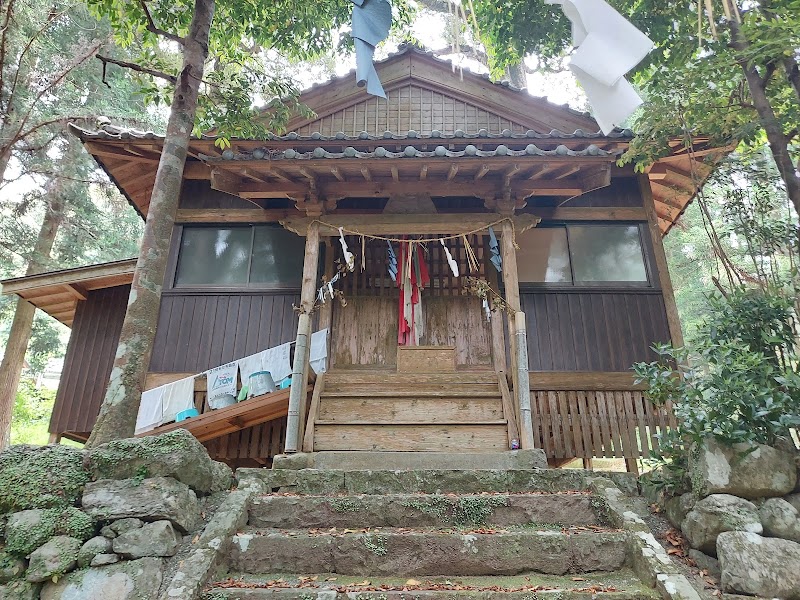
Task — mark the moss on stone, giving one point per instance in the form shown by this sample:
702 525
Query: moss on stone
72 522
40 477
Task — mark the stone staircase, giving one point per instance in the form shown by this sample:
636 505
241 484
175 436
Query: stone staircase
523 534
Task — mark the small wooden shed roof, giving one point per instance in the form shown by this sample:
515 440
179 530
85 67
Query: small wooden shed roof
57 293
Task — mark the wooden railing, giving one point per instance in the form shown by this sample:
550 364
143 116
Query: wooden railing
594 415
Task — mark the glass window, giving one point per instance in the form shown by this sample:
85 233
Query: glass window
277 257
213 256
261 256
543 257
607 253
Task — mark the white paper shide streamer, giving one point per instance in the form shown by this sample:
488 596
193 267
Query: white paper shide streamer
349 259
608 47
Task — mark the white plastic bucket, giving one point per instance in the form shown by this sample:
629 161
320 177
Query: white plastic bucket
260 383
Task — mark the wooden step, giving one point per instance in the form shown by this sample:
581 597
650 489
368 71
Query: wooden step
385 378
387 410
426 359
484 437
460 391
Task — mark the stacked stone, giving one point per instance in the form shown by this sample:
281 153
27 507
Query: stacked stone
100 523
742 520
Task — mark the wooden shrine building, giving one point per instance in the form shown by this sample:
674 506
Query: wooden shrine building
446 157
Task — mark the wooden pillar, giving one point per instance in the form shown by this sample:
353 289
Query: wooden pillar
673 319
498 336
298 394
326 312
511 282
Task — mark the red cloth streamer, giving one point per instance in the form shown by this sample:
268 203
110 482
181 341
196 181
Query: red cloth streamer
407 326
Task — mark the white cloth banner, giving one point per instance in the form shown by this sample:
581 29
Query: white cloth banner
178 396
221 383
151 410
318 354
608 46
275 360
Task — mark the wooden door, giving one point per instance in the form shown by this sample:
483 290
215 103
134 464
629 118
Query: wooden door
364 333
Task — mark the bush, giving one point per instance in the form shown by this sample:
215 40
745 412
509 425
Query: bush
738 385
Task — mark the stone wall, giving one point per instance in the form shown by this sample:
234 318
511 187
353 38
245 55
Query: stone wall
110 522
742 518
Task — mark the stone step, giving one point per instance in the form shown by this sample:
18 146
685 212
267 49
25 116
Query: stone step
413 461
389 552
616 585
355 480
414 510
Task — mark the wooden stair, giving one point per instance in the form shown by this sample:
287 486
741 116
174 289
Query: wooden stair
426 405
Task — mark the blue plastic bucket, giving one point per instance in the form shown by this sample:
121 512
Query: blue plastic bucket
285 383
186 414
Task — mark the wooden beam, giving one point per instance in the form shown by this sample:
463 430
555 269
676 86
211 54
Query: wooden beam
673 318
195 170
225 181
452 172
99 149
368 176
481 172
336 173
583 380
231 215
395 174
600 178
76 290
589 214
423 172
383 224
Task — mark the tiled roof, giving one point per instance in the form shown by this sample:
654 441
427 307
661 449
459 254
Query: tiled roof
408 152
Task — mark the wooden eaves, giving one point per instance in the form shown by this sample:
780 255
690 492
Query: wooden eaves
58 292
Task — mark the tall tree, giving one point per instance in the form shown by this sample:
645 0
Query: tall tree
45 81
729 72
220 97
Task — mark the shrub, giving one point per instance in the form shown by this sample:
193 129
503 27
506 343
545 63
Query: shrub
738 385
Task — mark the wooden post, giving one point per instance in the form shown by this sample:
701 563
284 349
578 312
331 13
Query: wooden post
673 319
498 337
523 383
511 281
326 312
298 393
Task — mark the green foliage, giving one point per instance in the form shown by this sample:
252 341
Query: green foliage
739 384
34 477
31 414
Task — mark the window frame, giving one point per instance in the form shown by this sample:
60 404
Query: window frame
651 273
175 251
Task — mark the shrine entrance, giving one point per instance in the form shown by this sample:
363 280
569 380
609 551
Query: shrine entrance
364 333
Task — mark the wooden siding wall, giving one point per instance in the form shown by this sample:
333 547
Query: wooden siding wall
410 108
198 331
89 358
587 330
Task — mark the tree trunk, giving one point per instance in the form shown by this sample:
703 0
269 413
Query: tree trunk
117 418
778 142
18 337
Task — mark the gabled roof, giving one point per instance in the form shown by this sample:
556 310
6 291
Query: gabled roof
432 112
